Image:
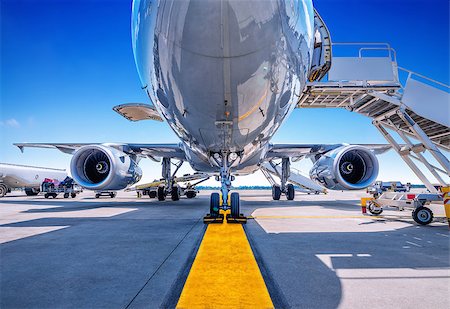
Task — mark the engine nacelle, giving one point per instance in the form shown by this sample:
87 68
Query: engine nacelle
99 167
346 168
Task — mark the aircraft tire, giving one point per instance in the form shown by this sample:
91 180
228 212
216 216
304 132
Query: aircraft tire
276 192
161 194
31 191
290 192
3 190
235 205
175 194
214 204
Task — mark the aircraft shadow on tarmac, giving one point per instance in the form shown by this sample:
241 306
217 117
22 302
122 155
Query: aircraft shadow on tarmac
301 279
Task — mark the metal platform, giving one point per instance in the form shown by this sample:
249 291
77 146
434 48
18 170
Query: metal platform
412 105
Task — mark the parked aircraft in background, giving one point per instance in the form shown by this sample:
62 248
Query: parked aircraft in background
14 176
224 75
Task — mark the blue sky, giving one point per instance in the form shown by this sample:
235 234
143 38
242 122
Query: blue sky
65 64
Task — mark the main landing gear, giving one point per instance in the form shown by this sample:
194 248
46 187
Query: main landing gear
226 200
170 187
285 188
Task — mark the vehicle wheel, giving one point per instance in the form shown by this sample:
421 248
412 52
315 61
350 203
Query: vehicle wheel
235 205
422 215
214 204
3 190
113 194
276 192
46 195
161 194
152 194
290 192
31 191
73 195
191 194
97 195
66 195
175 194
373 209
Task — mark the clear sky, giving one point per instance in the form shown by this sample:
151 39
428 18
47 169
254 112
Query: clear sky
65 64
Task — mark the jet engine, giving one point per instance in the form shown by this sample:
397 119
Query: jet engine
100 167
346 168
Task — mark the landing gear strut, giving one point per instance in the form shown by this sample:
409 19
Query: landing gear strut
169 188
225 201
284 174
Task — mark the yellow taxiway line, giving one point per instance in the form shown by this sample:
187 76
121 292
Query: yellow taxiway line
225 273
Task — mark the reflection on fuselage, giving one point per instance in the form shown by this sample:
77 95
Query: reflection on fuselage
224 74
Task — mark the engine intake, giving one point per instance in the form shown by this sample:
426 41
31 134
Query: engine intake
100 167
346 168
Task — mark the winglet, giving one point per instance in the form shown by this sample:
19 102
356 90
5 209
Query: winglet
20 147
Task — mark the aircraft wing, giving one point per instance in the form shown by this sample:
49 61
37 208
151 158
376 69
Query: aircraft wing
152 151
300 151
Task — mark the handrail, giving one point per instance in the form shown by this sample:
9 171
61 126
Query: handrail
411 73
387 46
392 52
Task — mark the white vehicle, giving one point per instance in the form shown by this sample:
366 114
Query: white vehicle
30 178
225 75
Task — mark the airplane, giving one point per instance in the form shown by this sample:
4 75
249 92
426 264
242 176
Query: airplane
13 176
224 75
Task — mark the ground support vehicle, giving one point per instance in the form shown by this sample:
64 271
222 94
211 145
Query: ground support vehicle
401 201
66 187
111 194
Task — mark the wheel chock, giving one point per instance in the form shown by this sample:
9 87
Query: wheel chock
213 219
241 219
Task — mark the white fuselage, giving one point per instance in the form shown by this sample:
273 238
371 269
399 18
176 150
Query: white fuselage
223 73
21 176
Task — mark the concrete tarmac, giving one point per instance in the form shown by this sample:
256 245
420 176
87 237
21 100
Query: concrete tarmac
315 252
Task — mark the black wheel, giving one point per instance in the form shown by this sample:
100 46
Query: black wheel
161 193
214 204
191 194
46 195
113 194
3 190
175 194
66 195
31 191
97 195
152 194
422 215
73 195
373 209
290 194
54 195
235 205
276 192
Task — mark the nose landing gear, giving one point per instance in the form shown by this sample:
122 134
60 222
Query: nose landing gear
225 201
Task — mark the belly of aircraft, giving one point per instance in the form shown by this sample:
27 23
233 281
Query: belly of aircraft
224 74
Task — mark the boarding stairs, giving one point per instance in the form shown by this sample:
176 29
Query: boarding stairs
371 83
304 184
